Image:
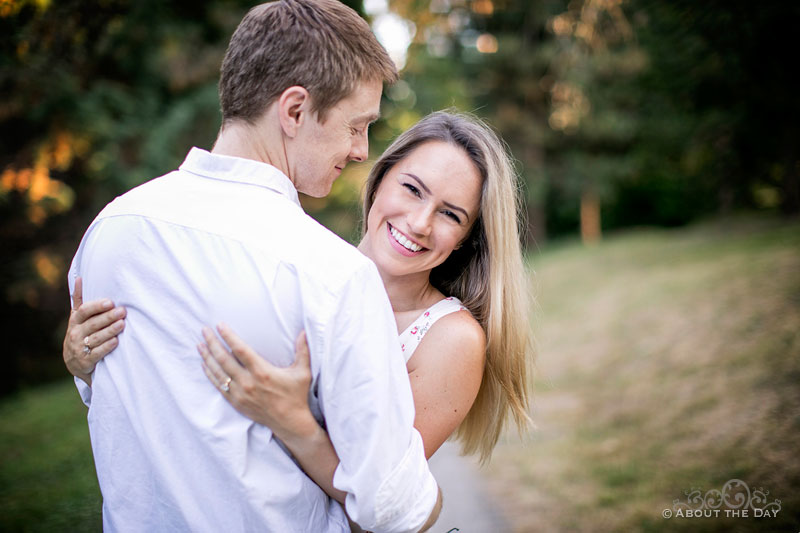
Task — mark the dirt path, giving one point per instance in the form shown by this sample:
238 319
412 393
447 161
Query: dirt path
467 506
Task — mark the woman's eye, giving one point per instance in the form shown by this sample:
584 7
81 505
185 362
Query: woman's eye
452 215
412 189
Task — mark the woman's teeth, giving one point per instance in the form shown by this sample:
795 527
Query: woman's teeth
408 245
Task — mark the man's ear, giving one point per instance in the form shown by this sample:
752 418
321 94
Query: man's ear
294 106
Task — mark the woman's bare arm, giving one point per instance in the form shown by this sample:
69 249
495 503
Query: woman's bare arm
446 372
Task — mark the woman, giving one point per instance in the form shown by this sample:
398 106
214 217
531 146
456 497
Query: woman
440 214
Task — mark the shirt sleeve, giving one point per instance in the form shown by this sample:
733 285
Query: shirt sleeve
85 391
369 413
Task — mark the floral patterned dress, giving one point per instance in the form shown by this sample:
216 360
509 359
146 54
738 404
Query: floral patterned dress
412 336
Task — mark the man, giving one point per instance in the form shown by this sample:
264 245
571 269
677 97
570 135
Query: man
224 238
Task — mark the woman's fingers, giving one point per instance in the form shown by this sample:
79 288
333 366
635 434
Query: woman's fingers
246 355
99 352
222 356
102 321
91 333
82 364
98 338
80 312
211 367
97 310
272 396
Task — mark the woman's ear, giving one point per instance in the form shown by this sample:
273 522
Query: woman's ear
294 104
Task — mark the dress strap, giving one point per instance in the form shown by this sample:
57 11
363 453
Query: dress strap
412 336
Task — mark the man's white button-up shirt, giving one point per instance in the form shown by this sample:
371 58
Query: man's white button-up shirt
224 239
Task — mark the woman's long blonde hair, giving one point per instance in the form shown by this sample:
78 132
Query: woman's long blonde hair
486 273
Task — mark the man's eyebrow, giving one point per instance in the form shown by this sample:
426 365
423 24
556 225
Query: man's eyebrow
369 118
427 190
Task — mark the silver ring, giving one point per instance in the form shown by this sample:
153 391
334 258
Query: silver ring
225 387
86 348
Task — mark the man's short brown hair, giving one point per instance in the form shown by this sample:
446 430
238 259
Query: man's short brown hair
321 45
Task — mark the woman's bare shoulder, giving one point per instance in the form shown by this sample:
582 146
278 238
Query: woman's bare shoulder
455 337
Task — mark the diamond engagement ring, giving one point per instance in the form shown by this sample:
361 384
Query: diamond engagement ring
86 348
225 387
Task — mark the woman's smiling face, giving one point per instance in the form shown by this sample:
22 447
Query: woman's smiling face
423 209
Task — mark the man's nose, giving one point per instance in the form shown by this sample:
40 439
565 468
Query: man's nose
360 149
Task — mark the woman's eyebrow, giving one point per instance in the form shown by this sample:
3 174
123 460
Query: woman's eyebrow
427 190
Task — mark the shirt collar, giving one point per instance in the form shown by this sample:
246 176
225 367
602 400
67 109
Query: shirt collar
239 170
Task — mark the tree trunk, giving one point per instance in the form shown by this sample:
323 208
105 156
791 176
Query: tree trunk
591 232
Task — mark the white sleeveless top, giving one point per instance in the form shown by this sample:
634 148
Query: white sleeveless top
411 337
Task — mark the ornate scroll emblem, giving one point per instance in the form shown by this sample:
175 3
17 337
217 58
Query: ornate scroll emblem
735 499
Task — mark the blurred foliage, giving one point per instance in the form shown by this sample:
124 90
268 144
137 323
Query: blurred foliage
97 98
660 111
644 112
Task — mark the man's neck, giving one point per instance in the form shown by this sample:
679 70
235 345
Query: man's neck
248 142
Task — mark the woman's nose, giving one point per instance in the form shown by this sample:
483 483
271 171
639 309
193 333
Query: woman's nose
419 220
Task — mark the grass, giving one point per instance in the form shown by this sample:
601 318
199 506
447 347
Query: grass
47 476
669 360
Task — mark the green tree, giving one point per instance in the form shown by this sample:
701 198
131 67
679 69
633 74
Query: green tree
97 97
719 118
647 111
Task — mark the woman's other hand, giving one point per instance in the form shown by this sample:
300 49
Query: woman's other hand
91 333
273 396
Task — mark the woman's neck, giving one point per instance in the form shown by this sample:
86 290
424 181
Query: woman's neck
407 292
411 292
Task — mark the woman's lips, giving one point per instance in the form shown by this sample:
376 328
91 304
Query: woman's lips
395 237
